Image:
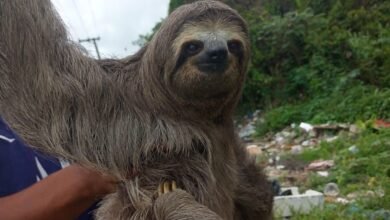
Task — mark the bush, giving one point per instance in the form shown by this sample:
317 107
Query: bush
319 65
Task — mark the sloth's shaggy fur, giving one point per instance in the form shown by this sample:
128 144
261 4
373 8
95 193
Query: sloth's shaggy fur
153 113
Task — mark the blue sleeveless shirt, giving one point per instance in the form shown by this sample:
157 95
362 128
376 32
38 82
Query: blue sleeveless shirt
21 166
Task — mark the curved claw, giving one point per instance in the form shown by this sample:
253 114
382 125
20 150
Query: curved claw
166 187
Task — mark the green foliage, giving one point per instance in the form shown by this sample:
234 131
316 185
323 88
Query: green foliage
277 48
348 103
173 4
326 61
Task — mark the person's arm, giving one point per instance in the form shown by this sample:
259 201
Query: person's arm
64 195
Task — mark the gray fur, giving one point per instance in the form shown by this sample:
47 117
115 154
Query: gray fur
123 115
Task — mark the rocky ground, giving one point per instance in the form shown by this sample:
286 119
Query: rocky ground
280 152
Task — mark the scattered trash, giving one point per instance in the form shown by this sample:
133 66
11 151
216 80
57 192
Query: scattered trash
353 149
354 129
306 126
283 165
296 149
247 131
293 202
254 150
342 201
246 128
306 143
323 173
381 124
273 160
331 139
287 192
331 189
326 129
280 140
320 165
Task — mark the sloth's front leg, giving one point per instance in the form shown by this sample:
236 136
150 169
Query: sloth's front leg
174 204
166 202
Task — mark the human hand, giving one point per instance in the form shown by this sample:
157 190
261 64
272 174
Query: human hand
94 183
63 195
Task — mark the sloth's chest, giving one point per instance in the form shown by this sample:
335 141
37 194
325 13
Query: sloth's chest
202 178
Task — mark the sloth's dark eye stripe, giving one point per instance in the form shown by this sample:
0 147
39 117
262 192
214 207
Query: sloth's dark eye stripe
182 59
188 49
235 47
192 47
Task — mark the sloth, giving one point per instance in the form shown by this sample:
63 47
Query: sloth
164 114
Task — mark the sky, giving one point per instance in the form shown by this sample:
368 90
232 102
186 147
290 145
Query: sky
118 23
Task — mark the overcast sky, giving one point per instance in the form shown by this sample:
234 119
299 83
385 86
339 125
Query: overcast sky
118 23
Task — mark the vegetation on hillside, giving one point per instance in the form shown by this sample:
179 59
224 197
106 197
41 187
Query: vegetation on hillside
320 65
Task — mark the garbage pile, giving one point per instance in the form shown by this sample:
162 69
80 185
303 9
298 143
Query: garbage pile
292 140
295 138
246 127
285 171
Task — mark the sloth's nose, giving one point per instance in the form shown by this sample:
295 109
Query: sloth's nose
214 60
218 55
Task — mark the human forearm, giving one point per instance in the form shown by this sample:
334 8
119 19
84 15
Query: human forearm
63 195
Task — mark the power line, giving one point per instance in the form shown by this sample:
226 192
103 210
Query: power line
93 15
93 40
81 19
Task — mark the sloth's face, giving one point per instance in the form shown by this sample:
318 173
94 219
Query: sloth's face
210 57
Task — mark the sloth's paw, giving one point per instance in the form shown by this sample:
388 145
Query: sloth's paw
166 187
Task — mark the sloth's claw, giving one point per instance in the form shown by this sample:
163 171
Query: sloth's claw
166 187
174 185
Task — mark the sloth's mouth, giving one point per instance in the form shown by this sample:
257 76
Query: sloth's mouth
217 96
212 67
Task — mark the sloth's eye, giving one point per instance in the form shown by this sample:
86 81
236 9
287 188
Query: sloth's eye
235 46
193 47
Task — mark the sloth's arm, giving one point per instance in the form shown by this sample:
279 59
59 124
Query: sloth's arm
254 197
178 205
57 99
173 205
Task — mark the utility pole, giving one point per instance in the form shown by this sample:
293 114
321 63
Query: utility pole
94 43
